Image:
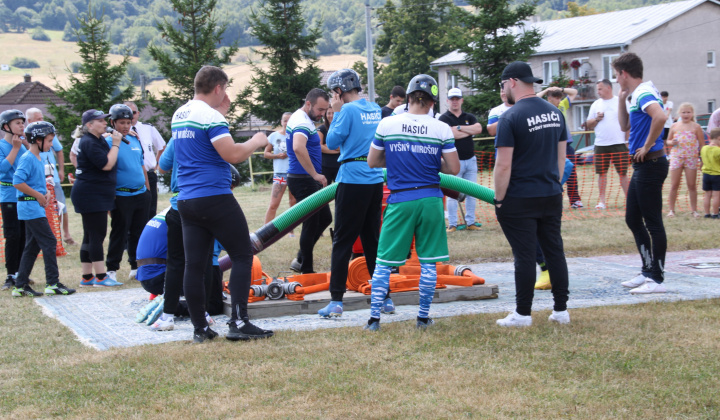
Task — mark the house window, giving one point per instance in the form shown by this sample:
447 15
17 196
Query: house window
576 71
451 80
580 114
473 75
711 58
551 70
711 106
608 70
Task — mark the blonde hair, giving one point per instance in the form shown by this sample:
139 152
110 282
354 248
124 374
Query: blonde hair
687 105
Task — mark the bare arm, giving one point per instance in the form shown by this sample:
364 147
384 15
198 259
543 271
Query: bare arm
147 182
503 168
60 157
376 158
570 92
239 152
302 155
73 158
324 148
492 129
670 142
467 130
25 189
16 143
544 92
114 150
450 163
562 154
623 117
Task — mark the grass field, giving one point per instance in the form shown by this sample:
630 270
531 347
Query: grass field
655 360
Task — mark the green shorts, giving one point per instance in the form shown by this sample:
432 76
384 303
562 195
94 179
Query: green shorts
423 219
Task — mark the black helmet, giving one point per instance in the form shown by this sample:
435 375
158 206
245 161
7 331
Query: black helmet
424 83
38 130
9 115
235 176
120 112
345 79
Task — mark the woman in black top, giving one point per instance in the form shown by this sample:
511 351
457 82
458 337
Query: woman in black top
93 194
330 164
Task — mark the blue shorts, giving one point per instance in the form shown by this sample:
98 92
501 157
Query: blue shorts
711 182
60 196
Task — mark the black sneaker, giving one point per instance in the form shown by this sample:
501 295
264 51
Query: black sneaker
423 323
25 291
9 283
200 336
246 331
58 289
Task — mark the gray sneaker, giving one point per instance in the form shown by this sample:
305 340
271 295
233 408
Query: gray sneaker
295 265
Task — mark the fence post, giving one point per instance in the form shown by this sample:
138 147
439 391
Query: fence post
252 177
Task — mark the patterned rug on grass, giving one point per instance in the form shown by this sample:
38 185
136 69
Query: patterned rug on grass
106 319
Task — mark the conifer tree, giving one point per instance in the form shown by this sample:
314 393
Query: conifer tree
194 41
496 36
415 32
98 84
291 69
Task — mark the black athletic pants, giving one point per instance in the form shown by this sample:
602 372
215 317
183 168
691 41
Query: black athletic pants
94 232
14 234
39 237
357 213
643 215
219 217
175 266
152 180
128 221
526 222
314 226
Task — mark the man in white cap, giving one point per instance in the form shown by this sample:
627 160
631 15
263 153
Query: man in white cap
464 126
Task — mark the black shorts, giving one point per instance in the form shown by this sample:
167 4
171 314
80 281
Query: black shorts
616 153
711 182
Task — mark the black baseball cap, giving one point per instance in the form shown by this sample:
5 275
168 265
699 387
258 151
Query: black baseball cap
519 70
93 114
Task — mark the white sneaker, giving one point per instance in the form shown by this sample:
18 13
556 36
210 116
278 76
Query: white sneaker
577 205
166 322
650 286
209 319
562 317
515 320
112 275
133 274
600 206
636 281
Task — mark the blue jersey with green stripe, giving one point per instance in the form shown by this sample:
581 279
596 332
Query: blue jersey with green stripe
413 145
201 172
300 123
643 96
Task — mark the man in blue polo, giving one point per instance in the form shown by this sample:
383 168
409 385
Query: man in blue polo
358 199
640 111
305 172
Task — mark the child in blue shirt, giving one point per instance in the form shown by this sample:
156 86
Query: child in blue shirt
32 196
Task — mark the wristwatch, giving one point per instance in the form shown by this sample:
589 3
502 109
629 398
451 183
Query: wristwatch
496 201
459 127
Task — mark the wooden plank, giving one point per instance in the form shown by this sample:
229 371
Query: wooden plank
354 301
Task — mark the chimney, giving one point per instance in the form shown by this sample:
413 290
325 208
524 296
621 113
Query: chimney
27 78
